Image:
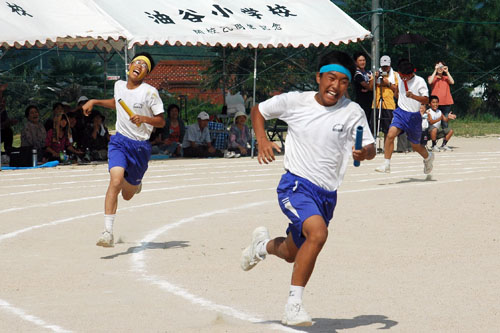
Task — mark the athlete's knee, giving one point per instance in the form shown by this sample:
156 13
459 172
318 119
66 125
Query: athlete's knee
318 237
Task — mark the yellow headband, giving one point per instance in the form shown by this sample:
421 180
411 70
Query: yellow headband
145 59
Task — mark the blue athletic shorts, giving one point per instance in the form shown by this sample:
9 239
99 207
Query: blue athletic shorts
132 155
300 199
409 122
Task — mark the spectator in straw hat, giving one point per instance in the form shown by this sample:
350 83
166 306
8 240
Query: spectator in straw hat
239 136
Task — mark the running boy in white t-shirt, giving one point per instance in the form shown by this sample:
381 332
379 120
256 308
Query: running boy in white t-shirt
435 116
412 92
129 149
321 134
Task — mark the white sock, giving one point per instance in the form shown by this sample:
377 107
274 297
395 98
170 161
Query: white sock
108 222
429 156
295 294
387 161
261 248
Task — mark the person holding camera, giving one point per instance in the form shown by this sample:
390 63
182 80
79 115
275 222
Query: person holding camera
386 86
440 81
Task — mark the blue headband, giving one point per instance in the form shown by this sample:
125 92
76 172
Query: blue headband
336 68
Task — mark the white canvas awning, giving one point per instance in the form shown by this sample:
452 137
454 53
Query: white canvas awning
80 23
256 23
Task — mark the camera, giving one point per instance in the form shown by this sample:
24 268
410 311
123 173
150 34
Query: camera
384 73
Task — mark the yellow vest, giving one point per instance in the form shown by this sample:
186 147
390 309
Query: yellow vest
387 95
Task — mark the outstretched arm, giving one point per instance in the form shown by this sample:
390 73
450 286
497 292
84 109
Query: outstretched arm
107 103
266 153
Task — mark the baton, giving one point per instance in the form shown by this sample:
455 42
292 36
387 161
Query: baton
127 109
359 141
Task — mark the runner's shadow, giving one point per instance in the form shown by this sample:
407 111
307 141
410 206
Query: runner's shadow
427 178
326 325
149 246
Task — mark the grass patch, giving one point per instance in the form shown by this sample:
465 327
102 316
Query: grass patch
474 126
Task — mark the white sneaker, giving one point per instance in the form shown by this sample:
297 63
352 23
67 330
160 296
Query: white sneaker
106 239
139 189
435 149
229 154
296 315
384 168
249 256
446 148
428 163
237 155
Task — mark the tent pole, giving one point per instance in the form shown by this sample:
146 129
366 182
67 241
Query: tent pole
253 97
126 57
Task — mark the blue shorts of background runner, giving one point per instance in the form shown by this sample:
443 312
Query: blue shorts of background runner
409 122
132 155
300 199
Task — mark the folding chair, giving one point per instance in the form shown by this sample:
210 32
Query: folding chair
277 129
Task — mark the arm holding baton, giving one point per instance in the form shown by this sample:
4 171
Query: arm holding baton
127 109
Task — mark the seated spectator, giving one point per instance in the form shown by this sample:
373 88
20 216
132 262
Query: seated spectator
240 138
33 133
173 132
79 128
197 142
97 135
6 132
57 140
57 110
436 131
77 136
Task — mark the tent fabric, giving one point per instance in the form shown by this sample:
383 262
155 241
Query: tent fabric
256 23
80 23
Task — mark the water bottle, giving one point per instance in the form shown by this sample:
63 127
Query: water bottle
35 157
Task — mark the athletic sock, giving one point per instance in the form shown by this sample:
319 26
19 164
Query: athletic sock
387 161
434 142
261 248
108 222
295 294
444 143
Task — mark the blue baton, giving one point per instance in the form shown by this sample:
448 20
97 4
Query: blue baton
359 141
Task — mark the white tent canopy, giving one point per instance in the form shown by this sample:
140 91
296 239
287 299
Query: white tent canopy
80 23
258 23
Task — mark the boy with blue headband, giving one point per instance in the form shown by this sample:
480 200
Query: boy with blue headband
321 134
129 149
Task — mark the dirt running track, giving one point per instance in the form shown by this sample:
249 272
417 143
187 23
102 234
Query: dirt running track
406 252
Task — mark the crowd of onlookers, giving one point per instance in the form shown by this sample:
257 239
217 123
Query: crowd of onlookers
435 115
70 137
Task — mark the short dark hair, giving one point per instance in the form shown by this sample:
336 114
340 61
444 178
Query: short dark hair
147 55
431 97
405 67
356 55
56 104
172 106
337 57
28 108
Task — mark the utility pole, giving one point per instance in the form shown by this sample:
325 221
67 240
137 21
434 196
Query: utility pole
376 12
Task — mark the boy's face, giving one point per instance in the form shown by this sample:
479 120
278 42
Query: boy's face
332 86
138 70
434 104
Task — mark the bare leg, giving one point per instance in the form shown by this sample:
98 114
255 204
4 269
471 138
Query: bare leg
389 141
420 149
117 183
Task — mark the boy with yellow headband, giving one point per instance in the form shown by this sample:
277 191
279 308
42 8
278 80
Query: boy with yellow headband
129 149
321 134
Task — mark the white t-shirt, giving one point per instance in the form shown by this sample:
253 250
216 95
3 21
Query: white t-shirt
418 87
435 115
320 139
143 100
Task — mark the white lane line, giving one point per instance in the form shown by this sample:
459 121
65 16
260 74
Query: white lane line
33 319
139 266
61 202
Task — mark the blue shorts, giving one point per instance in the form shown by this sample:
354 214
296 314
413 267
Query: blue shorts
409 122
300 199
132 155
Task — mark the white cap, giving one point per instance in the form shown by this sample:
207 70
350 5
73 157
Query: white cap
385 60
203 115
240 113
82 99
